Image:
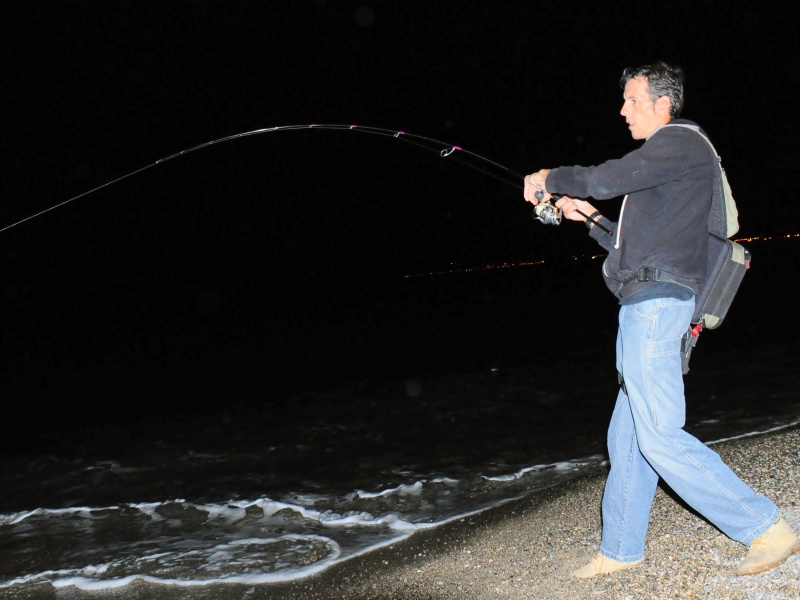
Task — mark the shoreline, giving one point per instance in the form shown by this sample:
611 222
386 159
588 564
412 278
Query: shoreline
527 548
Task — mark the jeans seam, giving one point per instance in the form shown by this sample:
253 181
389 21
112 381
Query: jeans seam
624 523
714 480
617 555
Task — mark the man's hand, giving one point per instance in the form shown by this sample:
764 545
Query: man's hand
570 207
535 183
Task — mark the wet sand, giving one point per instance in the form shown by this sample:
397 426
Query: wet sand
527 548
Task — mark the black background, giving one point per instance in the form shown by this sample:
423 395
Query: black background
221 275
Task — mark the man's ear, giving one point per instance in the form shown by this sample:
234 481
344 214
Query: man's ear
663 104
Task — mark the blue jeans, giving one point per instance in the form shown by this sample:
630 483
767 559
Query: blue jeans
646 440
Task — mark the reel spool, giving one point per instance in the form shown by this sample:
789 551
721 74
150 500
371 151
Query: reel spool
547 212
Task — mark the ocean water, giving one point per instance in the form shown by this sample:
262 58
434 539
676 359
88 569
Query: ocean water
461 393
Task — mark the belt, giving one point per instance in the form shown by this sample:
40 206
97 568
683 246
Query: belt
649 274
645 274
653 274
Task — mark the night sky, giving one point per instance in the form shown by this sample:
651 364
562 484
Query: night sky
95 91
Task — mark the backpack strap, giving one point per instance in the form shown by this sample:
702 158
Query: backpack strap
723 217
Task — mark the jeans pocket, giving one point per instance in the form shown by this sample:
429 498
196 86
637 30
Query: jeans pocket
667 347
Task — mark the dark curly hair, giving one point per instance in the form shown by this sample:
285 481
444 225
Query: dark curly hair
662 80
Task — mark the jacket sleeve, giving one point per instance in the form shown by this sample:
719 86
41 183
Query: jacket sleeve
652 164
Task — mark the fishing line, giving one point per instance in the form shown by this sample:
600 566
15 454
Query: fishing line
444 149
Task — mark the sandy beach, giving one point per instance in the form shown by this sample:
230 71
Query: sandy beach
528 548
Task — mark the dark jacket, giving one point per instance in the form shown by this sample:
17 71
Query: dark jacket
663 223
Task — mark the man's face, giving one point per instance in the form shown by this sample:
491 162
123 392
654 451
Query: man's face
641 114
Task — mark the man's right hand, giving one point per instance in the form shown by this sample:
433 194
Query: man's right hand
570 206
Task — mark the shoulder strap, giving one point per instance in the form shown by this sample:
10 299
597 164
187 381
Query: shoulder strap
723 219
696 129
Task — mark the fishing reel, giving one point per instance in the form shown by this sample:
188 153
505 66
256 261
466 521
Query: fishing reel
547 212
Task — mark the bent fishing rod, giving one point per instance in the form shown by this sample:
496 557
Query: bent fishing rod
545 212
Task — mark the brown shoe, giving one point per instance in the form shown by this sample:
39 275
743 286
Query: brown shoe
770 549
602 565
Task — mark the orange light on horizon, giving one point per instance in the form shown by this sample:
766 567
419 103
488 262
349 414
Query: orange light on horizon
575 257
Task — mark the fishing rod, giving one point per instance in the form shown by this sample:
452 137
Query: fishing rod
545 211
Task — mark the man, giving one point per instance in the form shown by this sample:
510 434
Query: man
663 224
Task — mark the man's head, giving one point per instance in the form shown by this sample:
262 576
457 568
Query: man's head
653 96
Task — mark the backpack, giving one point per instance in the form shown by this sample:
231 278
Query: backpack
728 261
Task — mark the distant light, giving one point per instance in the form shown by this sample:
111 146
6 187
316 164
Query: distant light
575 257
